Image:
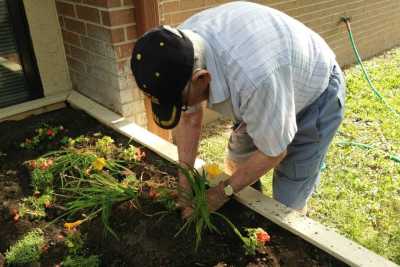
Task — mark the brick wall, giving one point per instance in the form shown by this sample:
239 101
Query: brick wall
375 23
98 38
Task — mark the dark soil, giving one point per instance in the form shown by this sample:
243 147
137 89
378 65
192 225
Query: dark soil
144 240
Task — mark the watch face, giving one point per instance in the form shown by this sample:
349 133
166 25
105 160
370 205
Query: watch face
228 190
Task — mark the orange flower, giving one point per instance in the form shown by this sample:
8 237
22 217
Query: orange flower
262 236
139 154
73 225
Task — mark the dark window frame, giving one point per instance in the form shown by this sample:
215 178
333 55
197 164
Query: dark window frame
26 53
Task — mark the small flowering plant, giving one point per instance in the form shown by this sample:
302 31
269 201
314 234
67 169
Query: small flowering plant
133 154
255 241
105 146
41 176
46 137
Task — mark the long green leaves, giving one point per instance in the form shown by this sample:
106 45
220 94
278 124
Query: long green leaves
100 193
201 217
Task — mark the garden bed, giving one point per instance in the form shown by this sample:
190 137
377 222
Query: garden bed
143 237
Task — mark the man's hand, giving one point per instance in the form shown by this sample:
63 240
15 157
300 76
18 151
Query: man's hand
216 197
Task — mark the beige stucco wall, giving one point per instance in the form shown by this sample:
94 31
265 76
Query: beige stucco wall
48 45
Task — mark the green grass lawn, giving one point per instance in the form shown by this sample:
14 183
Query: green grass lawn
359 192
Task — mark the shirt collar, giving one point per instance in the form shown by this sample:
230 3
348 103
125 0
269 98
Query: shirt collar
219 90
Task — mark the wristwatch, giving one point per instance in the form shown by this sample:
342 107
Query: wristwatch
228 189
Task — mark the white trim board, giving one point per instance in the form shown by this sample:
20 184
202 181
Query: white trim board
32 105
319 235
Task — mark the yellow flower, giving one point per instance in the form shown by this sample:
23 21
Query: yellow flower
212 170
99 163
73 225
214 174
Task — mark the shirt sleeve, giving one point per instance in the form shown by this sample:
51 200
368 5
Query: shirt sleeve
270 113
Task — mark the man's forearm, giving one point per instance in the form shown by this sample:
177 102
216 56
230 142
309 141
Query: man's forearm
187 136
251 170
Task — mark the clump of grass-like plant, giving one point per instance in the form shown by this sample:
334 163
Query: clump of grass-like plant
99 194
200 217
26 250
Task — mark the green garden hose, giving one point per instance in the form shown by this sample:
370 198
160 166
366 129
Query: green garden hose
359 61
395 158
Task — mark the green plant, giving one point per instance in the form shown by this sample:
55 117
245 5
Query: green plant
254 241
42 180
200 217
104 146
164 196
74 242
100 193
80 141
47 136
26 250
81 261
34 206
129 153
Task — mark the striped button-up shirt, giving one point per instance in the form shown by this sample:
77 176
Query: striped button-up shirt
268 65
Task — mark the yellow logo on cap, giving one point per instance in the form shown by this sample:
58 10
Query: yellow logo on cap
171 120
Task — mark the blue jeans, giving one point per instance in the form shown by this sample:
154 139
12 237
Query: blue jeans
297 176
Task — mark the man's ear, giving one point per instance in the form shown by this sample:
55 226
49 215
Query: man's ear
202 76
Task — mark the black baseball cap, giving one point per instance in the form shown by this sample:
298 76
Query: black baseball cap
162 63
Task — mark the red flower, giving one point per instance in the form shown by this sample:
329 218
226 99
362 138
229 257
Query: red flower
50 132
262 237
